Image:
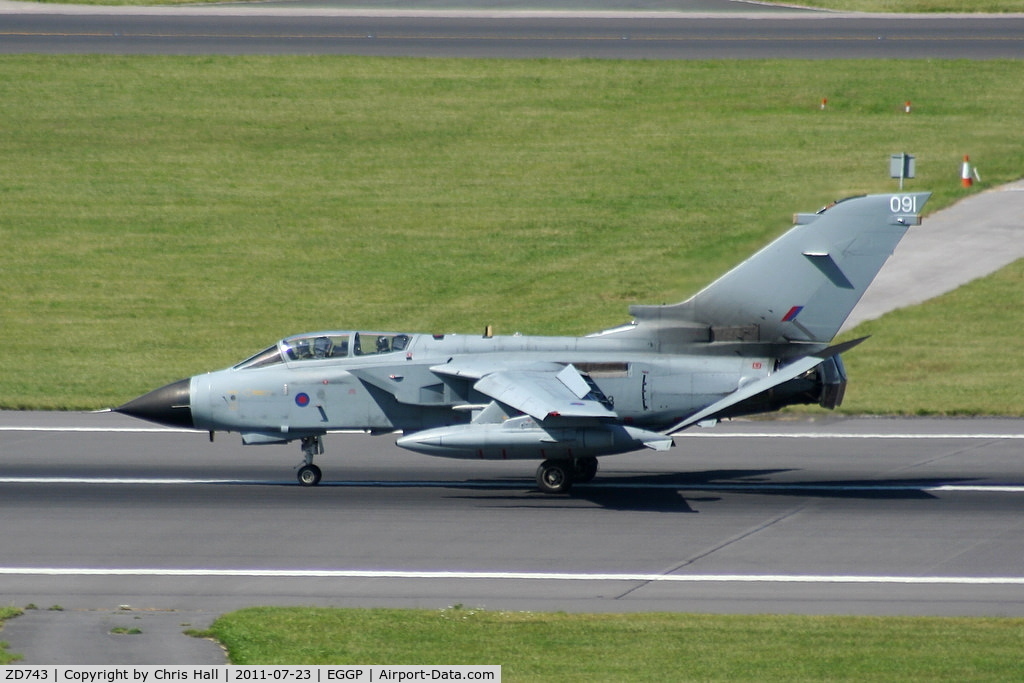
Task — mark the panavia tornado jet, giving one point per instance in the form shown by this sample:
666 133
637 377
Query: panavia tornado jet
755 340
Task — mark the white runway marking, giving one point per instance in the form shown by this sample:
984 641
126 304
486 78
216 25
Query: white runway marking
725 486
124 481
610 483
513 576
839 435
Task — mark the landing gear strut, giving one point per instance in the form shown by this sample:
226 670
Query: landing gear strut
309 474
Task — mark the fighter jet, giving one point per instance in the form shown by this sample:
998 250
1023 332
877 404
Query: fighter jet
755 340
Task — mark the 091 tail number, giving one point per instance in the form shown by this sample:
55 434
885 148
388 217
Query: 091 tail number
904 204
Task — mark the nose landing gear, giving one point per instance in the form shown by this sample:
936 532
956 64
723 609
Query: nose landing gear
309 474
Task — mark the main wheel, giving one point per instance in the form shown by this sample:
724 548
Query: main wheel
554 476
584 470
309 475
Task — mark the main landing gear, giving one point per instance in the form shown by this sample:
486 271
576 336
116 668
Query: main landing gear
553 476
558 476
309 474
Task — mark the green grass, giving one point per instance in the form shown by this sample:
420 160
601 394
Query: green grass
935 359
5 614
163 216
633 647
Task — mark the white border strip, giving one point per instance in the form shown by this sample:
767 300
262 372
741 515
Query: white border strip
514 576
681 486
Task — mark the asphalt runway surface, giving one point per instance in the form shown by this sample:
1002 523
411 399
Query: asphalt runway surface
108 523
843 516
755 33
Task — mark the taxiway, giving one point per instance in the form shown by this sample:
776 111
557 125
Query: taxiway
755 33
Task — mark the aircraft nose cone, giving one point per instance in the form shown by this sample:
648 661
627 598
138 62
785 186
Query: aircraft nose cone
169 405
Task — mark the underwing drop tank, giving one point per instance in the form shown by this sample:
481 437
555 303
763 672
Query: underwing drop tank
522 438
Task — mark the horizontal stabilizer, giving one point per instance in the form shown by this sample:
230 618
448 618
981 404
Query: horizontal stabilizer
839 348
786 373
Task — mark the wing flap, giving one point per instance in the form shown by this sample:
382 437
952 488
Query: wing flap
544 394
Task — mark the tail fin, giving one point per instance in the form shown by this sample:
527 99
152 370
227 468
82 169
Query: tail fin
802 286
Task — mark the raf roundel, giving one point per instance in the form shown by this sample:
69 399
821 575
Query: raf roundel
302 400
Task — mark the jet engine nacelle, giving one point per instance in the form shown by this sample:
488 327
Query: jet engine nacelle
824 385
521 438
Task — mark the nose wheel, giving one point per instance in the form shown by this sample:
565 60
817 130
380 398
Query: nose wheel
309 474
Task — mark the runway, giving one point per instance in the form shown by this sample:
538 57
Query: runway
849 516
755 33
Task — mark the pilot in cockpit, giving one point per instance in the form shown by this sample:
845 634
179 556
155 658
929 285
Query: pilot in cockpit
322 347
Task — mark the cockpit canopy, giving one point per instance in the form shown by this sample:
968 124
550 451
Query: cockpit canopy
327 345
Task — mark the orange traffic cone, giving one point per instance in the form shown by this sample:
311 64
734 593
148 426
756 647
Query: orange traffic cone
965 173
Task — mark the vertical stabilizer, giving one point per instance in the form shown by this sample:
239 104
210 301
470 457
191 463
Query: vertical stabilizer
802 286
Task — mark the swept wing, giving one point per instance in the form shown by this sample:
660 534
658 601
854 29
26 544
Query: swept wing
540 390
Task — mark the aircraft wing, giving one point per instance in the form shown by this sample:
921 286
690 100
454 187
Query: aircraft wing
541 390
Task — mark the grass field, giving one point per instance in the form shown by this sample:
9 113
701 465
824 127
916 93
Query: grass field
7 612
533 646
634 647
163 216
